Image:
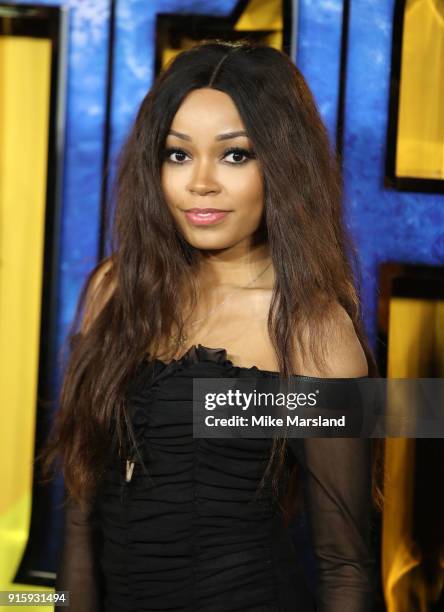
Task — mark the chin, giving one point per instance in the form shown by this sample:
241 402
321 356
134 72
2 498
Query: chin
208 243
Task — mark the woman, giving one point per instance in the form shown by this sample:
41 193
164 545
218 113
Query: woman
227 233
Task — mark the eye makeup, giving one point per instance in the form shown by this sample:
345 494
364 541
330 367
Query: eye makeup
246 153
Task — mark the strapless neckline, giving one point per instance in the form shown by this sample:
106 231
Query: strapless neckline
198 352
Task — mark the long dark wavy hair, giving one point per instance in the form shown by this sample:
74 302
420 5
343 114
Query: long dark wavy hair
132 294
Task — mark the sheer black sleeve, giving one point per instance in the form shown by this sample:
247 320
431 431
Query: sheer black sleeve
78 570
336 480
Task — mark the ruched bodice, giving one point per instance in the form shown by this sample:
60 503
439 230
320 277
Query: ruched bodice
181 527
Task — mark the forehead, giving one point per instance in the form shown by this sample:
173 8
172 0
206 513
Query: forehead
207 110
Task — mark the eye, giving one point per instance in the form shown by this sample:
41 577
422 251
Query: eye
234 151
238 151
174 151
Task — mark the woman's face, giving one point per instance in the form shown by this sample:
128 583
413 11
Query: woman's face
207 164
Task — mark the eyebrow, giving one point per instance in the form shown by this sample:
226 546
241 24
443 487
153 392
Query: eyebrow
225 136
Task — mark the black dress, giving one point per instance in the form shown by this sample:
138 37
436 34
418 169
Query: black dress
189 535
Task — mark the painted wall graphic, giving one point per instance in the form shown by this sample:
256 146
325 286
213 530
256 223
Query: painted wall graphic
31 141
114 49
23 205
388 225
415 148
411 318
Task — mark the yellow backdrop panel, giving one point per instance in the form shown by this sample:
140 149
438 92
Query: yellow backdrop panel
415 340
420 146
25 65
257 15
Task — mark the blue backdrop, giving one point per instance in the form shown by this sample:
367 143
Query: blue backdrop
387 225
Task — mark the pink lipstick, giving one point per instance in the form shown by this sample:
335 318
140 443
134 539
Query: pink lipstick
205 216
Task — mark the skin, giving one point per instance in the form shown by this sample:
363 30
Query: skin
204 174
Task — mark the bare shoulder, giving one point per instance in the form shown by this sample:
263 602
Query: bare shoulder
100 287
344 355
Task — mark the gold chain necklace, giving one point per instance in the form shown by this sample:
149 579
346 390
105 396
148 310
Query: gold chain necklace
182 338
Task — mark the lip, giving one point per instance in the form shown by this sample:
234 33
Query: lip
205 216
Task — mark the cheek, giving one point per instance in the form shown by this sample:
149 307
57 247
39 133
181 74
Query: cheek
249 193
173 193
168 186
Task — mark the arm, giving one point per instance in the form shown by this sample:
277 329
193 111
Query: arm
337 490
78 569
336 481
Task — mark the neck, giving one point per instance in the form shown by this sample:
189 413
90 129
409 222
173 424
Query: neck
235 266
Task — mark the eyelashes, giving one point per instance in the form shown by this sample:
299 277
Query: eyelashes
232 151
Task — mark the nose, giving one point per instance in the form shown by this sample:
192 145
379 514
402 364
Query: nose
202 180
